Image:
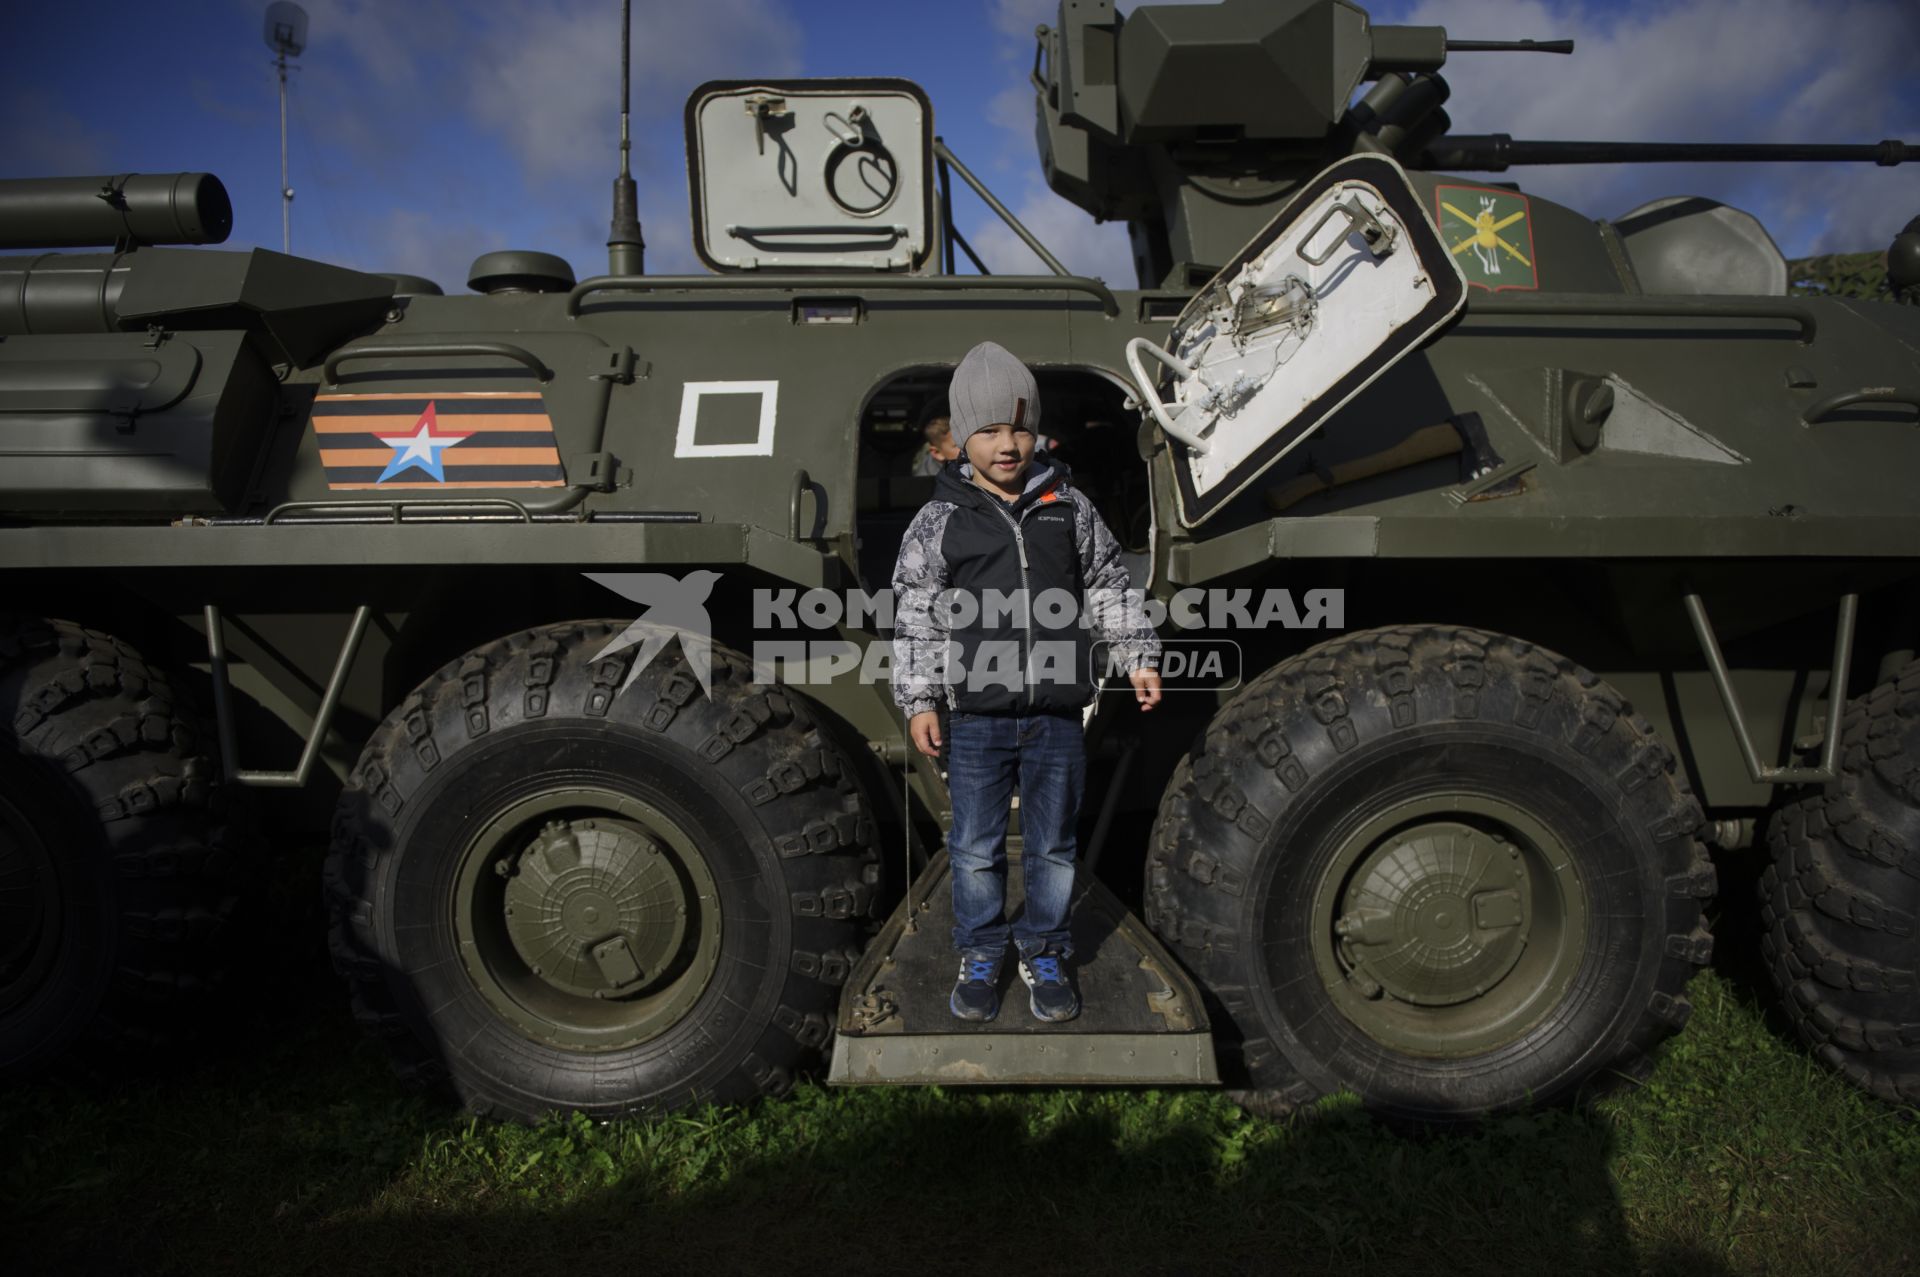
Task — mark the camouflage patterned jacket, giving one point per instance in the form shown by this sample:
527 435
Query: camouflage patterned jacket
968 564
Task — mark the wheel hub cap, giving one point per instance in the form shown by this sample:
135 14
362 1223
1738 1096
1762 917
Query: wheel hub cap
594 908
1436 915
1447 924
588 919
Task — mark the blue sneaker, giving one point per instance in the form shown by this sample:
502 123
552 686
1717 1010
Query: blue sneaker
976 994
1050 987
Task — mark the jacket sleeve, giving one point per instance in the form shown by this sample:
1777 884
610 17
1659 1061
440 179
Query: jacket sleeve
1116 611
919 634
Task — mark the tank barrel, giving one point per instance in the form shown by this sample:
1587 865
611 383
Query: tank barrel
123 211
1493 152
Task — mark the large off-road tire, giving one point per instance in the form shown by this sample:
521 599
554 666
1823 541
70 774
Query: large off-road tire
1841 897
555 894
116 882
1441 868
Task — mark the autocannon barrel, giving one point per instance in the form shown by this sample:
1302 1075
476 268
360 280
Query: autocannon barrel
1494 152
126 210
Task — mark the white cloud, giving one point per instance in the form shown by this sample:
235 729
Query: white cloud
543 79
1017 19
1843 210
423 243
1012 109
1069 234
553 87
1747 71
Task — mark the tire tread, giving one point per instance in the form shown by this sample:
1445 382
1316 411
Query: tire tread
823 835
1840 897
1194 891
111 728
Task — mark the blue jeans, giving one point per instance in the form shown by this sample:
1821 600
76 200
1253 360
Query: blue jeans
986 754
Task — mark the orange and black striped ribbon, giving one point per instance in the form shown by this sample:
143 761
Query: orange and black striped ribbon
481 439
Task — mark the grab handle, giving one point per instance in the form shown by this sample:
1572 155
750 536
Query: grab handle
439 350
1151 397
1906 396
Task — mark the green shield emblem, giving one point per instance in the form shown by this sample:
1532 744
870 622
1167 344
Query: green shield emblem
1490 233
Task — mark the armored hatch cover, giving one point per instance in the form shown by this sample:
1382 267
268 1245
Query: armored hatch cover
1140 1023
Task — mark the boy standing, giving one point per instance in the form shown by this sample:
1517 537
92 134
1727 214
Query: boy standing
983 571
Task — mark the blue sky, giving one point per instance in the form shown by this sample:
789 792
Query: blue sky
425 132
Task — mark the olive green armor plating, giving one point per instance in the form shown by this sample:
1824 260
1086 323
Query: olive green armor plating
1618 540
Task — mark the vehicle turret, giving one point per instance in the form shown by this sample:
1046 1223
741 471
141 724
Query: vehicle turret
1193 123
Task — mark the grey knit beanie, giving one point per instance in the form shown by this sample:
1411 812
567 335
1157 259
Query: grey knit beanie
991 386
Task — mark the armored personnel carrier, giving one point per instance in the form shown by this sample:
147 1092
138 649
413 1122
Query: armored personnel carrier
1523 559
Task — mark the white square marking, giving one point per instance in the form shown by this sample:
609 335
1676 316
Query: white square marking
762 445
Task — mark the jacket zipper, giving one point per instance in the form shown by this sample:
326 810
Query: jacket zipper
1026 598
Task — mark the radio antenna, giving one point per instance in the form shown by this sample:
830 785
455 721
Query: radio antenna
286 35
626 251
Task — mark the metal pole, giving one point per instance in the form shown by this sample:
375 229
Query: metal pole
1027 237
946 216
286 192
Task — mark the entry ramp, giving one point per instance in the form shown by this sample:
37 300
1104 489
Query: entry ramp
1141 1021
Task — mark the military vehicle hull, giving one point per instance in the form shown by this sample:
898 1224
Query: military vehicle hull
1593 560
1608 577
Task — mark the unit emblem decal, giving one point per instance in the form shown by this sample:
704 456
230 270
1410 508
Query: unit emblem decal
1490 233
462 440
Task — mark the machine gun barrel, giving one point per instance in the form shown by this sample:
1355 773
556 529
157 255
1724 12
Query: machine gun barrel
1493 152
123 211
1509 46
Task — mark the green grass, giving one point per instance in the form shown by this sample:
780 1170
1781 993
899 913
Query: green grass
299 1153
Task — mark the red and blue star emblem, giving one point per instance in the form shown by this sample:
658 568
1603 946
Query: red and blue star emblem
421 449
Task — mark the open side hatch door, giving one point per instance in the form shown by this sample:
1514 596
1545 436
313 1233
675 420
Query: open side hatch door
1348 278
811 174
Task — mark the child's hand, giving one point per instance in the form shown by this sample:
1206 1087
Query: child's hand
1146 687
925 727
